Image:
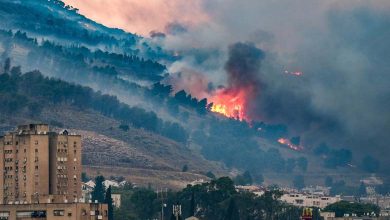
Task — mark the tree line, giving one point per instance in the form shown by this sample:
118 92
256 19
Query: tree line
31 92
215 200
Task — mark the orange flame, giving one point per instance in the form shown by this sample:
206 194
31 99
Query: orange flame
230 104
290 145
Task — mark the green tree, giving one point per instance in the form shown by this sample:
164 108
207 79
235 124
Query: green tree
192 205
184 168
270 202
99 190
16 70
145 204
109 202
344 207
232 212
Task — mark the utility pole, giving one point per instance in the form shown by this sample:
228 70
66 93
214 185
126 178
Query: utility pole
163 205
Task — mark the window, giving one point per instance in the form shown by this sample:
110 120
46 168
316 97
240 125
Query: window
4 215
58 212
24 150
36 142
69 214
36 167
36 150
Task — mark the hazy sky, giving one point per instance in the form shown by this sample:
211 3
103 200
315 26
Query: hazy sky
141 16
342 46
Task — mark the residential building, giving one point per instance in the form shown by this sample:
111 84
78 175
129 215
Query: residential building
40 165
309 200
25 155
65 165
57 211
42 176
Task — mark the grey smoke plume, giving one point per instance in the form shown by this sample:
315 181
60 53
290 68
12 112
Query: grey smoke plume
343 96
342 48
243 65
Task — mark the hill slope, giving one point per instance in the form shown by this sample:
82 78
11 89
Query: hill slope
134 121
105 143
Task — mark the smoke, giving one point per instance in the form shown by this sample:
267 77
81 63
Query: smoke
243 68
141 17
342 48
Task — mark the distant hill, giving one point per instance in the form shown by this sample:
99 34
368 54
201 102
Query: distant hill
30 97
58 67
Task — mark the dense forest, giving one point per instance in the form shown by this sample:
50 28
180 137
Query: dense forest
64 23
82 57
31 92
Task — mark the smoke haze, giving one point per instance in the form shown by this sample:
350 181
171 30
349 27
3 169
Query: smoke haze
342 48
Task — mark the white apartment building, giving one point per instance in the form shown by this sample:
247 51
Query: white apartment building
304 200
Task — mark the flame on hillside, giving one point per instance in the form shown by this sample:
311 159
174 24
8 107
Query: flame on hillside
287 142
230 104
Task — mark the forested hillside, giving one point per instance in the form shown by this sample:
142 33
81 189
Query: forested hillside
53 58
31 92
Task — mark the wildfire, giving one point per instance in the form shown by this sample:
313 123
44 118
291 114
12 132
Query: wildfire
290 145
229 104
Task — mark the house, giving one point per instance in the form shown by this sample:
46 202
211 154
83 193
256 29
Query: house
116 199
303 200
